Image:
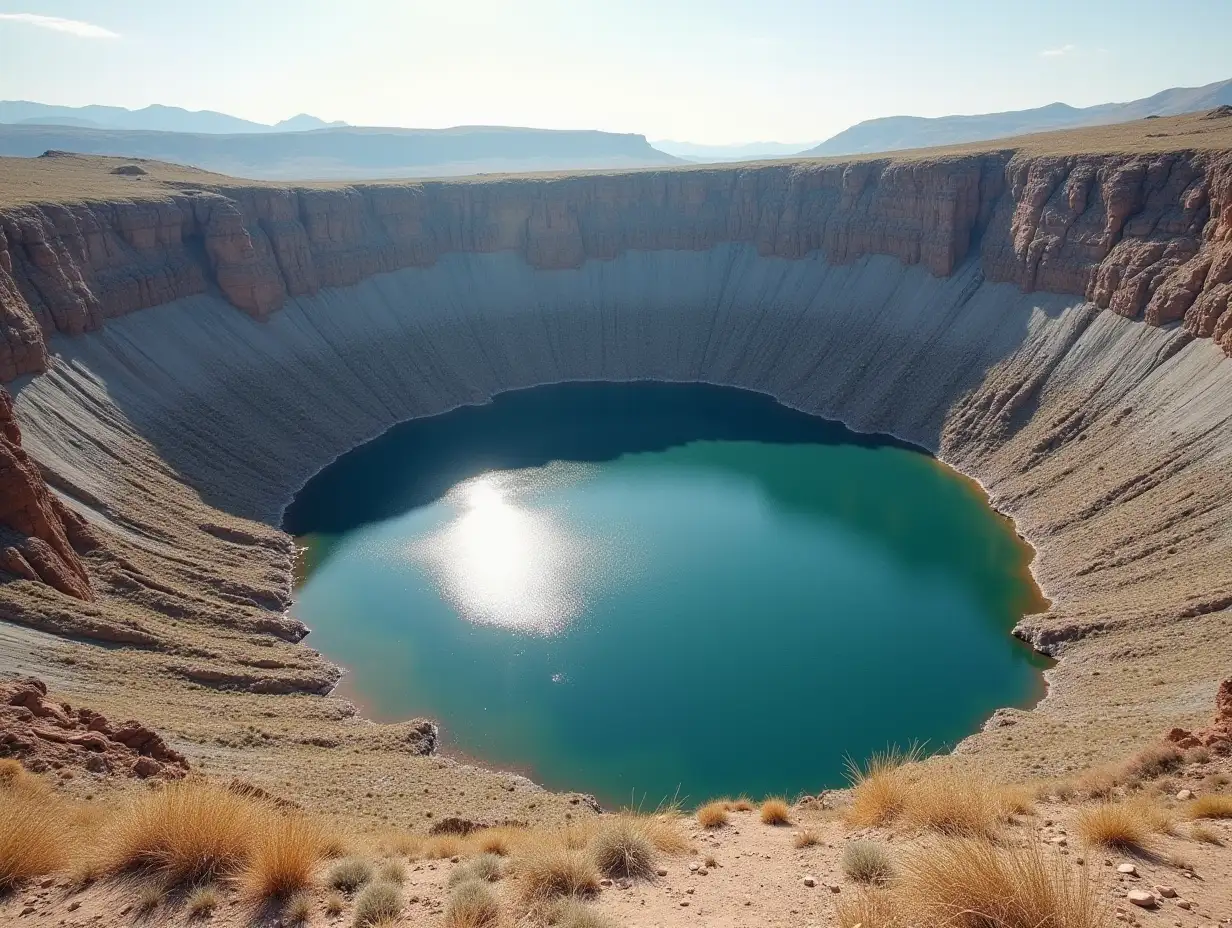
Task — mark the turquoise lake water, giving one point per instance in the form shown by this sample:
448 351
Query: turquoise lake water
648 591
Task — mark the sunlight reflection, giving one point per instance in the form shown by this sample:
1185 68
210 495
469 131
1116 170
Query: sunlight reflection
503 563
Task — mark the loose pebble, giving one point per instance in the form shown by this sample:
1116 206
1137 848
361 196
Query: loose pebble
1141 897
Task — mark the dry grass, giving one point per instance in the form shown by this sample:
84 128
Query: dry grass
1016 800
966 883
569 913
442 847
1097 783
150 897
713 814
775 812
879 787
623 849
284 858
379 902
866 862
1119 825
334 904
392 871
497 841
1153 762
953 803
548 872
1204 835
665 833
202 901
187 833
485 868
870 908
740 804
33 838
806 838
349 874
1212 805
472 904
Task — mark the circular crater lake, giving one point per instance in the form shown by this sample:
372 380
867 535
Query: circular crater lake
651 591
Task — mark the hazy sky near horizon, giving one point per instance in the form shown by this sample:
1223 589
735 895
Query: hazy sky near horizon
707 71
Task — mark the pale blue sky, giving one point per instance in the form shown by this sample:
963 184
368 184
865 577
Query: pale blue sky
711 71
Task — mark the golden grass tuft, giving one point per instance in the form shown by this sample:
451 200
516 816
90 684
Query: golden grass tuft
442 847
879 787
202 901
1211 805
569 913
472 904
548 872
622 848
740 804
33 838
1119 825
498 841
953 803
971 883
1153 762
713 814
284 857
806 838
870 908
186 832
1204 835
1015 800
775 812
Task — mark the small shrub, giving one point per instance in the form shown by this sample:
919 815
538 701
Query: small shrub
1212 805
866 862
775 812
298 909
334 903
392 871
202 901
1204 835
548 873
472 904
712 815
621 849
1153 762
1113 825
284 858
33 838
349 874
742 804
806 838
378 902
569 913
484 868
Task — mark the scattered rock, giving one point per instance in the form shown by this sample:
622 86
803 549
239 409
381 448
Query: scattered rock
1127 869
661 872
1140 897
1167 892
810 881
129 170
1185 795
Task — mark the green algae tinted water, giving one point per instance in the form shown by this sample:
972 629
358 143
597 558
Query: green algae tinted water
646 591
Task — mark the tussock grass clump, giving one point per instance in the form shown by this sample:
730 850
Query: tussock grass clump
350 873
952 803
442 847
806 838
879 786
1016 800
713 814
665 833
867 862
740 804
284 858
551 872
150 897
569 913
379 902
33 836
334 904
1119 825
392 871
623 849
472 904
971 883
775 812
186 832
202 901
870 908
497 841
298 909
1204 835
484 868
1098 783
1153 762
1212 805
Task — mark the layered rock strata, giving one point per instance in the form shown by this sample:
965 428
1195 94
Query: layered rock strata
896 297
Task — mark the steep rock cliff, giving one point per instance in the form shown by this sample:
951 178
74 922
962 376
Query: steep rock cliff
1147 236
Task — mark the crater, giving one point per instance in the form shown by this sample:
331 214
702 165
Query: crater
663 591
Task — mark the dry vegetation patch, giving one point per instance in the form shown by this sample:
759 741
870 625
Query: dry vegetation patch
284 858
1119 825
775 812
622 848
867 862
1212 805
33 834
472 904
553 871
379 902
713 814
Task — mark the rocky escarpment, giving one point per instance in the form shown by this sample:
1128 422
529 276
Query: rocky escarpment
1147 236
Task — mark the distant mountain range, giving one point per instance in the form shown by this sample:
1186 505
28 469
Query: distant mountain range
894 133
749 151
155 118
350 152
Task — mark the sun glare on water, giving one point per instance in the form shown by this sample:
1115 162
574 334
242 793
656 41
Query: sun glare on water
502 562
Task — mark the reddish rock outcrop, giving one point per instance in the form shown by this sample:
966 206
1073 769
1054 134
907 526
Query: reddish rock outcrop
1218 735
40 538
45 735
